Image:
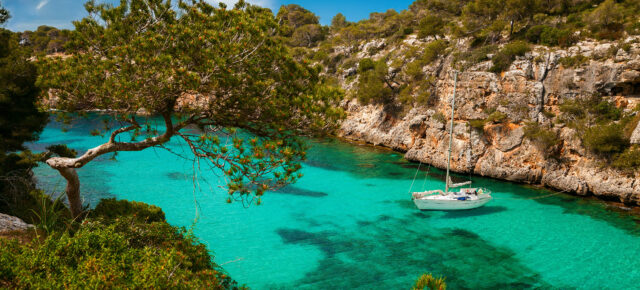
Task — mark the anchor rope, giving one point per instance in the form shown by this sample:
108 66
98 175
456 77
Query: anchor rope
531 198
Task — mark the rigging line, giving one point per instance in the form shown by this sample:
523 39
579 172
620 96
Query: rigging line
414 176
426 175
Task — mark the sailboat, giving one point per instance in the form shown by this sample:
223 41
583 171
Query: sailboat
464 198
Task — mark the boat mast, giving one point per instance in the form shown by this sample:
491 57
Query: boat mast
453 105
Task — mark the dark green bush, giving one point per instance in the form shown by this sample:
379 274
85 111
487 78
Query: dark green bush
533 34
430 25
372 86
475 56
111 209
113 251
503 59
629 159
605 139
432 50
477 123
124 254
365 64
551 36
573 61
430 53
633 28
439 116
544 138
497 117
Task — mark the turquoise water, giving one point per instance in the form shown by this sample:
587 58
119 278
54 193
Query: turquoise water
349 223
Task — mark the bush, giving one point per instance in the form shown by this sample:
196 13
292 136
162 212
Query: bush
605 139
372 87
475 56
438 116
533 34
365 64
544 138
503 59
111 209
629 159
430 25
112 253
432 50
497 117
477 123
573 61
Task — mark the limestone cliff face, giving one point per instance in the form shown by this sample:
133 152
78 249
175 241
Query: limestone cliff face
534 83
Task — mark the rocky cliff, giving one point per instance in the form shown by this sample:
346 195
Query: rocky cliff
529 91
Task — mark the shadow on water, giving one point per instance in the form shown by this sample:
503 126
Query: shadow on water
390 253
475 212
177 175
294 190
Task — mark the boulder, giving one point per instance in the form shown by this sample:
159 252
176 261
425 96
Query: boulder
10 223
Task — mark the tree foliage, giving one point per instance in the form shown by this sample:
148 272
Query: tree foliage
20 121
300 25
374 85
45 39
148 55
339 21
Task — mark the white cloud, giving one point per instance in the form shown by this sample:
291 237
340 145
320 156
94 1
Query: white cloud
41 4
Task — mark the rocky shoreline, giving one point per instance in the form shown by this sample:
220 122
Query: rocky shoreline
534 84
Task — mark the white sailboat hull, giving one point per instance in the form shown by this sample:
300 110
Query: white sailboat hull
450 204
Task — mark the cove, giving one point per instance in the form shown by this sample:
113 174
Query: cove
349 222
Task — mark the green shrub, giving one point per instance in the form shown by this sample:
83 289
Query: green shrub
629 159
372 87
605 138
503 59
544 138
438 116
120 244
573 61
591 109
365 64
124 254
477 123
497 117
533 34
432 50
430 25
552 36
475 56
430 53
633 28
548 114
111 209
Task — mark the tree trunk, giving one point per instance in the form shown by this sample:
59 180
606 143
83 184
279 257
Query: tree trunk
73 190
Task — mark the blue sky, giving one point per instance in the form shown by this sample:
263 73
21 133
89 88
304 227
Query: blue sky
29 14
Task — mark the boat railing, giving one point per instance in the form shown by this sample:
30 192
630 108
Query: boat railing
418 195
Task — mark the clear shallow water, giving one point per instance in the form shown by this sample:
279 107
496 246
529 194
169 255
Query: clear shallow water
349 223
